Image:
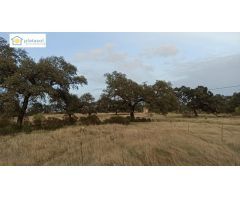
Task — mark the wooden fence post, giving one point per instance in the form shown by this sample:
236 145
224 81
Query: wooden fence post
100 149
222 133
81 152
123 160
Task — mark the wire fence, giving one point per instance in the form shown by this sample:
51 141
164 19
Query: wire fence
208 130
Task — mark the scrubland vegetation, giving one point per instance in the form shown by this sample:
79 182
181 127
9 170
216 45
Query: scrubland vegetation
170 140
43 123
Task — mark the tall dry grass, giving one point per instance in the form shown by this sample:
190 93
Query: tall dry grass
172 141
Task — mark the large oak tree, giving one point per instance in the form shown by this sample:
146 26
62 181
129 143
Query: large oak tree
126 90
199 98
164 99
23 80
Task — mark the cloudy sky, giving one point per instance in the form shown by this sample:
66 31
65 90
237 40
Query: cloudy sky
191 59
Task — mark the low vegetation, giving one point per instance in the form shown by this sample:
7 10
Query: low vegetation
170 140
90 120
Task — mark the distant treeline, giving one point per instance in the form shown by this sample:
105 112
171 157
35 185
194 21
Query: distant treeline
30 87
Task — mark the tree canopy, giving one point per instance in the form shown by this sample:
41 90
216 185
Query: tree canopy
23 80
25 84
119 86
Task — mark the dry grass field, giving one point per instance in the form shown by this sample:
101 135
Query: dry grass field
170 140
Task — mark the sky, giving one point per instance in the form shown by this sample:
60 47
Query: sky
190 59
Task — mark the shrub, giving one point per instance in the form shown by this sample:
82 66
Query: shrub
150 114
117 120
38 120
8 130
187 114
27 123
8 127
5 122
141 119
69 121
91 119
52 123
237 110
27 128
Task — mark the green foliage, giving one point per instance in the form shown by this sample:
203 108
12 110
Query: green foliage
7 127
163 98
159 97
5 122
237 110
141 119
221 103
188 114
104 104
27 128
87 104
234 101
121 88
7 130
196 99
23 80
107 104
70 120
90 120
52 123
66 102
36 108
117 120
38 120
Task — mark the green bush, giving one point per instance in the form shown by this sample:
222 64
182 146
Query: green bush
38 120
52 123
27 123
70 121
6 126
91 119
141 119
117 120
4 122
9 127
7 130
237 110
27 128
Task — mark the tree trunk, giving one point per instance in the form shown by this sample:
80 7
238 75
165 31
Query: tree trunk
23 111
132 112
195 112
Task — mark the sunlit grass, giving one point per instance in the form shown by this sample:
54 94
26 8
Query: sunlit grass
170 140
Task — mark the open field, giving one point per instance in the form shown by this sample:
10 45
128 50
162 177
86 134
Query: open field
166 141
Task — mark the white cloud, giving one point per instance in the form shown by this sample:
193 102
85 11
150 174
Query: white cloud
136 63
108 59
161 51
108 54
104 54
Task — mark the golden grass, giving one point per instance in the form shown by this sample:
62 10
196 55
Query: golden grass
166 141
